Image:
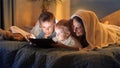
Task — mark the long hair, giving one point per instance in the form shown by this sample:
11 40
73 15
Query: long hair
82 39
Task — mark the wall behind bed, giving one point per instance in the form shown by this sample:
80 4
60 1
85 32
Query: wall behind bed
25 13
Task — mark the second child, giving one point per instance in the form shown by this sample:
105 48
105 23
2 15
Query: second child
64 37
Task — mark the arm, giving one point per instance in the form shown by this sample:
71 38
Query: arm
69 43
60 45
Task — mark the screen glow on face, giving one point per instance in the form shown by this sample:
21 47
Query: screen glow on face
47 27
77 28
60 34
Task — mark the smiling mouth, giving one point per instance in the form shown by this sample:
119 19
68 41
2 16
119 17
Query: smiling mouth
48 33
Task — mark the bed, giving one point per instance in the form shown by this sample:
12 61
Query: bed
16 54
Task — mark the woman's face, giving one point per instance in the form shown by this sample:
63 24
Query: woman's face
78 28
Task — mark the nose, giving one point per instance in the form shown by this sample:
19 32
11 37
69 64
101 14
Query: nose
57 34
74 30
47 29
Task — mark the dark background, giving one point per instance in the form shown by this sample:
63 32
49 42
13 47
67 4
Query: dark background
100 7
1 14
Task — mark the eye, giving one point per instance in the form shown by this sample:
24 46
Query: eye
79 27
43 27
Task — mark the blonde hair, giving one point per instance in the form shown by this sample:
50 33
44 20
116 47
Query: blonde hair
64 24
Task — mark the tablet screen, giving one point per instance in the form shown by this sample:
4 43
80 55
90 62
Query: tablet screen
43 43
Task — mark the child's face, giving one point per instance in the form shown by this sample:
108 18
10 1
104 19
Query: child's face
77 28
47 27
61 35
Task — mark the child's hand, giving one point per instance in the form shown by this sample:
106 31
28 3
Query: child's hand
30 36
57 45
79 48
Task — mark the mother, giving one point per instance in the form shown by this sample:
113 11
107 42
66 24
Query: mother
91 32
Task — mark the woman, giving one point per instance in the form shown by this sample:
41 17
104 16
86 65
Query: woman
91 32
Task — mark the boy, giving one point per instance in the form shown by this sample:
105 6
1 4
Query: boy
46 21
63 36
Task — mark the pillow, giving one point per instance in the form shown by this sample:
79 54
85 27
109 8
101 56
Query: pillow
113 18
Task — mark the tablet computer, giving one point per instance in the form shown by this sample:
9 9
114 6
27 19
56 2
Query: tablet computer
43 43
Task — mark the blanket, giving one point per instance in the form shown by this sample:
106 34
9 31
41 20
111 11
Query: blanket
15 54
98 34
